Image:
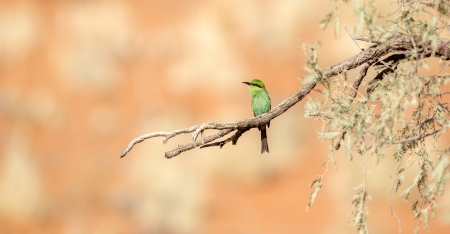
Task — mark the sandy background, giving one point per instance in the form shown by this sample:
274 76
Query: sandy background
80 79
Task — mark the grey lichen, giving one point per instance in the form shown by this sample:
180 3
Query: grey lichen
401 108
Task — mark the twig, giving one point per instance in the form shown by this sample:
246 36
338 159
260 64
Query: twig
182 148
415 9
441 20
434 94
414 132
354 40
392 190
421 124
366 39
392 13
233 139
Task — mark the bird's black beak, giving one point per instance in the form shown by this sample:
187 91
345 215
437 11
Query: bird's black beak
247 83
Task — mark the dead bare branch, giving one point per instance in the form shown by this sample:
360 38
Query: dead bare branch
233 139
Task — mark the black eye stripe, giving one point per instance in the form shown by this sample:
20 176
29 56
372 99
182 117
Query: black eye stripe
257 85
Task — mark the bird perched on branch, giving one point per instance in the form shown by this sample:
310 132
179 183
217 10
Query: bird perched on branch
260 105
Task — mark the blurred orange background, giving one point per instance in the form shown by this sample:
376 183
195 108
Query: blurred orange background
80 79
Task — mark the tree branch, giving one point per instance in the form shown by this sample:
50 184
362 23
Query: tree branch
355 86
233 139
420 136
368 56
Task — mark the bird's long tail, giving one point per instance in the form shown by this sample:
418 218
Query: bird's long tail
264 145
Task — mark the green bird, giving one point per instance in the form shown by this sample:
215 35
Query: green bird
260 105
